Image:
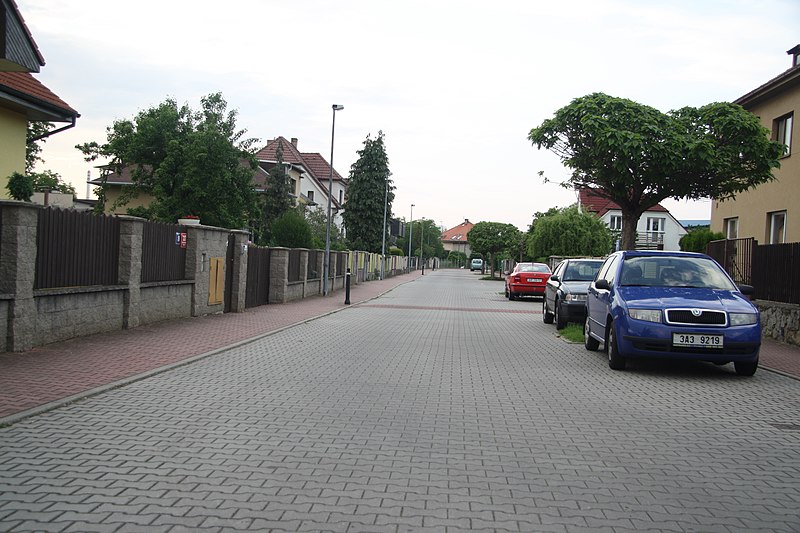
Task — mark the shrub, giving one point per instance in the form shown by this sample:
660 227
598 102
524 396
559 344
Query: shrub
697 239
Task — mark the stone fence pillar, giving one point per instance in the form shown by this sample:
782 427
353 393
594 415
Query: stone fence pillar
278 275
130 267
18 271
238 269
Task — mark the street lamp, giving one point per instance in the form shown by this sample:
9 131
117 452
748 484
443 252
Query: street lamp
410 232
327 261
421 236
383 243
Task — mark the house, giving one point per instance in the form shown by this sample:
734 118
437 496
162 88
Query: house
304 170
770 213
657 228
309 173
455 239
23 98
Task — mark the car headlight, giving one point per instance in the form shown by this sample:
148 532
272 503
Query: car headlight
649 315
742 319
574 297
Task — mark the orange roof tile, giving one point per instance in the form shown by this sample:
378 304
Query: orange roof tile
25 86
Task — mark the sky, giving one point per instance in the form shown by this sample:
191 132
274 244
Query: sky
454 85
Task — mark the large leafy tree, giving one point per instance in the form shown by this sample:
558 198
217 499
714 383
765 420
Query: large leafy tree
318 222
637 156
425 234
491 239
569 232
291 230
190 162
366 195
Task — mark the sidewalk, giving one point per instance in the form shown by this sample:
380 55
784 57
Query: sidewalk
60 373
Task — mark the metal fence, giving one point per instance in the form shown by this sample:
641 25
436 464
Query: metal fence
735 256
76 248
294 265
258 273
311 268
776 272
163 257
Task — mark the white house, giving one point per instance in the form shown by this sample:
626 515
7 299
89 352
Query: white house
657 228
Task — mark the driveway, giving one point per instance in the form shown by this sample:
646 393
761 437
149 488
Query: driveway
440 406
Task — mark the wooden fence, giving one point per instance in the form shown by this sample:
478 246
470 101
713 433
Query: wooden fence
163 257
258 274
76 248
772 269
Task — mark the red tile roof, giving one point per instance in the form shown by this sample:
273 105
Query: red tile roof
25 86
591 201
458 233
314 163
320 167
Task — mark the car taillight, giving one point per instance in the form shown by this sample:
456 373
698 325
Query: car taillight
515 278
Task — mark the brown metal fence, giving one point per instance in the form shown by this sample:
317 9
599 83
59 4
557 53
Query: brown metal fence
257 289
294 265
776 272
735 256
163 258
76 249
311 268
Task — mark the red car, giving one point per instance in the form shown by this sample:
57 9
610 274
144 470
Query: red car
527 279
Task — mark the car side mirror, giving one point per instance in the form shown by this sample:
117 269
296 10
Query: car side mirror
602 284
747 290
554 277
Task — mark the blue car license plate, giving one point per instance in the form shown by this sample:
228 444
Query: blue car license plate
695 340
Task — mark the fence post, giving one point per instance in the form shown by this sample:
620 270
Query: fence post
304 270
239 271
278 275
18 272
130 268
320 268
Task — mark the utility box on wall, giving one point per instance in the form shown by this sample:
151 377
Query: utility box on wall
216 281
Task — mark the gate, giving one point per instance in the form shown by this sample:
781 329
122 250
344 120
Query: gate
257 291
229 272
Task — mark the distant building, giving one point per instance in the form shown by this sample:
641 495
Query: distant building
455 239
657 228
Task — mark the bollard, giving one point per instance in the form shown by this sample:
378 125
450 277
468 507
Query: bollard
347 287
423 269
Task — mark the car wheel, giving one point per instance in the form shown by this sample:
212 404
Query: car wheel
506 289
615 359
547 317
511 296
561 321
589 342
746 368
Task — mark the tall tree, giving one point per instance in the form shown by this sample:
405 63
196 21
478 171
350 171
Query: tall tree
318 220
277 199
190 162
569 232
637 156
367 195
491 239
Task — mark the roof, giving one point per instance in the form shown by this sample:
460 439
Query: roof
314 163
458 233
591 201
20 51
319 167
782 81
22 90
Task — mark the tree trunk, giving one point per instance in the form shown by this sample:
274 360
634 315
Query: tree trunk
629 222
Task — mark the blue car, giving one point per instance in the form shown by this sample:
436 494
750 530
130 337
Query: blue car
678 305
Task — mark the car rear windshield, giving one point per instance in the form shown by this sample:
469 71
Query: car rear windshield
676 271
533 268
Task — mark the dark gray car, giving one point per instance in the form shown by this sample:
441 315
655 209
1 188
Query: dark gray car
565 294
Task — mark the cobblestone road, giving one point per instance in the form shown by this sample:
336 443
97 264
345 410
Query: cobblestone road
440 406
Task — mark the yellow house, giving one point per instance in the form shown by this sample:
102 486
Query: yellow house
770 213
23 98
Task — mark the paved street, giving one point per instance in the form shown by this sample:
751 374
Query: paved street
439 406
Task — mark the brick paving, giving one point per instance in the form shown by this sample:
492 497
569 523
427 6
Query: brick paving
440 406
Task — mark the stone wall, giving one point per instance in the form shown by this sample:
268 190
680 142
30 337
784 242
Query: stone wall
165 301
70 313
780 321
5 302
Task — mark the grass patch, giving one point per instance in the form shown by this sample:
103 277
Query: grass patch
572 333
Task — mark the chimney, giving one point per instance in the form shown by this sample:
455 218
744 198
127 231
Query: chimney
795 53
294 142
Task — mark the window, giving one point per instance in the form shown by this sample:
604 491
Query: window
310 196
776 226
782 132
341 196
656 224
615 223
730 227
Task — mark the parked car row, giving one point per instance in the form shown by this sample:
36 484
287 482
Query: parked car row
654 304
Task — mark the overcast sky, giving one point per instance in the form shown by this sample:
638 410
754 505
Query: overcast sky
454 85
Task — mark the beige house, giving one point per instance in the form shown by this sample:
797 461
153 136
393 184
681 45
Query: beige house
771 212
455 239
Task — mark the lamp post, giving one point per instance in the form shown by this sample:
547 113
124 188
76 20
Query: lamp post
421 236
327 261
383 243
410 232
